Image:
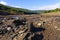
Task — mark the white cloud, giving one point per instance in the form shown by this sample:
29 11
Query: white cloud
3 2
47 7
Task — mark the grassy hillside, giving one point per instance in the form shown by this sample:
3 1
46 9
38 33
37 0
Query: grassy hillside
12 10
54 10
7 10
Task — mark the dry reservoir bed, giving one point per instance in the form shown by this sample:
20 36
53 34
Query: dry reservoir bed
29 27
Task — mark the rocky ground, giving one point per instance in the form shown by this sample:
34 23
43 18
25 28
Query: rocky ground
29 27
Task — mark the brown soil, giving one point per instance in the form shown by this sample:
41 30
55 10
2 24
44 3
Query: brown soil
35 27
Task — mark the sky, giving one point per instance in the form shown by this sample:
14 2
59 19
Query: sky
33 4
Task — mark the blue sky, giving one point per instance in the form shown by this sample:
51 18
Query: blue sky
33 4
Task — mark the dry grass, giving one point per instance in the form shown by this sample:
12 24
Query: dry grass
52 14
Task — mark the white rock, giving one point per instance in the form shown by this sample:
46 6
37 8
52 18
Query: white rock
55 27
58 29
9 28
39 24
21 32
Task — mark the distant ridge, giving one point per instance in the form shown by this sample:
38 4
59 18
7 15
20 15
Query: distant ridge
7 10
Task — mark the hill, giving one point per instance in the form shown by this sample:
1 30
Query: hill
6 10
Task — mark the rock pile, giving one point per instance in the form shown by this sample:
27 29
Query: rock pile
31 28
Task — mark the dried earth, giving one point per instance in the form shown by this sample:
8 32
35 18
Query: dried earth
30 27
